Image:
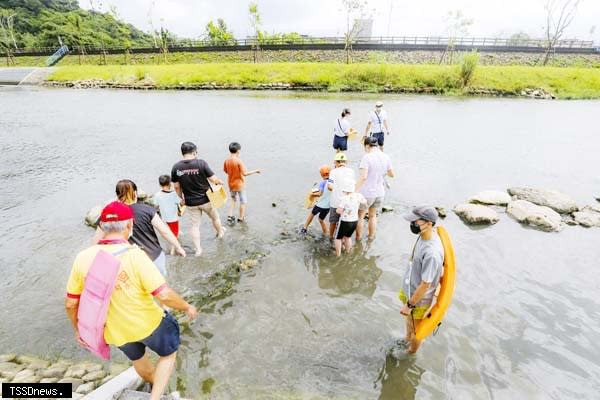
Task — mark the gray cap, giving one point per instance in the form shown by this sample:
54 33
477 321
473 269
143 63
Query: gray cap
379 104
373 141
422 212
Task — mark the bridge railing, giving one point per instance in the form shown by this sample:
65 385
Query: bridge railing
385 42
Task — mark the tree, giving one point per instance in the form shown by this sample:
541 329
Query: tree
559 15
7 34
518 39
456 25
255 23
218 35
354 10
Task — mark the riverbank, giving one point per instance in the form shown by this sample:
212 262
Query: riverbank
551 82
309 56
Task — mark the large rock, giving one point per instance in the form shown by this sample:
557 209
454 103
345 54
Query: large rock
589 216
7 358
541 217
75 383
24 374
557 201
53 372
49 380
490 197
86 388
92 216
476 214
94 376
8 370
76 371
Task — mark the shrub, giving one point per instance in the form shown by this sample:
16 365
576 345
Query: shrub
467 67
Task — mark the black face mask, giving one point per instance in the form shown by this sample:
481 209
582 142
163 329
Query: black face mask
414 228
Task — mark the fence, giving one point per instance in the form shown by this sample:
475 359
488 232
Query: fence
385 43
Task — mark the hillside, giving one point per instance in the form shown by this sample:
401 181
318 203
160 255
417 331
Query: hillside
40 23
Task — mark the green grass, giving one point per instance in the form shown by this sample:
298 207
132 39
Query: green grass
565 83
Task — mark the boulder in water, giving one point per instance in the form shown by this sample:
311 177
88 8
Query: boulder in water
441 212
490 197
541 217
557 201
589 216
476 214
92 216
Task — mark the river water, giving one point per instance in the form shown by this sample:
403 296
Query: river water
525 319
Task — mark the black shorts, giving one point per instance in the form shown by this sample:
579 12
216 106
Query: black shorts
164 341
346 229
334 217
380 137
321 211
340 143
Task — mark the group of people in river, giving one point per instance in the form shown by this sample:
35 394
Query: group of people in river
126 313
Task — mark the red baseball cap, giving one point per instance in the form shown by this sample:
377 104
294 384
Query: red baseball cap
116 211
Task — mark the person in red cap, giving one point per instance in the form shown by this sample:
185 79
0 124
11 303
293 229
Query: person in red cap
134 321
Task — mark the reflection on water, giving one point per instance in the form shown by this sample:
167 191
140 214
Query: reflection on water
525 320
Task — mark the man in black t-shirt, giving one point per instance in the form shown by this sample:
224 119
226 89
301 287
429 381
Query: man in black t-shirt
192 178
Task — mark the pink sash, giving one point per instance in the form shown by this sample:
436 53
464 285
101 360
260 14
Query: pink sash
95 299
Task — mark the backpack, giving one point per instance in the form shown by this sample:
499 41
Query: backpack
95 299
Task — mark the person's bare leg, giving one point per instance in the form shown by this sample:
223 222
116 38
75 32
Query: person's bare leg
338 247
348 244
332 227
196 235
323 227
162 373
359 225
231 207
412 340
372 222
144 369
242 211
216 222
308 220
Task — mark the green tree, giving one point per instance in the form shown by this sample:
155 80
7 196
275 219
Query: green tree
218 35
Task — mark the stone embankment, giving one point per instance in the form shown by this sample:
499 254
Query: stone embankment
547 210
84 376
149 84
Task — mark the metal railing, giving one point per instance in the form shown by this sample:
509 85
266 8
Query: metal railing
382 42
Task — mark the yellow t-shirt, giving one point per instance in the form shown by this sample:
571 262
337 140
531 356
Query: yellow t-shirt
132 313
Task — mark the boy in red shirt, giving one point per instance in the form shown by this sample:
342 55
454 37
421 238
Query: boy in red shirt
236 171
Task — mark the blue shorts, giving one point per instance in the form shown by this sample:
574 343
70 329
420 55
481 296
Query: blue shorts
340 143
241 195
380 137
164 341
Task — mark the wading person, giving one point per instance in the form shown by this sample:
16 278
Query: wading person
377 125
339 178
192 178
341 130
133 321
236 173
145 225
423 273
373 168
350 203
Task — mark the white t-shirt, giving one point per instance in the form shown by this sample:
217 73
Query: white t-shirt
377 164
350 204
377 121
339 177
341 128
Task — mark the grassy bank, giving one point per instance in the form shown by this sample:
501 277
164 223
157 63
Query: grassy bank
565 83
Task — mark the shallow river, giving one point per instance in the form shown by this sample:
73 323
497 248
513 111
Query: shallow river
525 320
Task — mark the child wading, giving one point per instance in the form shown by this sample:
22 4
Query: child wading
322 206
236 171
350 202
168 203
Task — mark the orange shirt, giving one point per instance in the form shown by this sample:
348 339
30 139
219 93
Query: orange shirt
235 169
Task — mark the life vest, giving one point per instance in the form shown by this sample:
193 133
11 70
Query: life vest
95 299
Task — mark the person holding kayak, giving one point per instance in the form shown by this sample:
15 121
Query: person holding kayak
341 130
423 274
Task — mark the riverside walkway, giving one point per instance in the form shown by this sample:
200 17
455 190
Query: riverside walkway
17 76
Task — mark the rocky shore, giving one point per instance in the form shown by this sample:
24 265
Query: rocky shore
84 376
547 210
149 84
